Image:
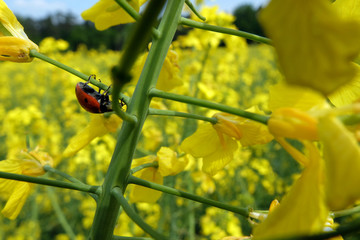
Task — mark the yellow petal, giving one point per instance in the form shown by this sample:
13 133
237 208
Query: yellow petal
228 125
98 126
284 95
11 49
248 132
143 194
11 166
254 133
10 23
203 142
342 159
315 46
140 161
112 122
169 75
303 209
293 123
17 200
348 93
222 155
348 8
15 49
169 163
107 13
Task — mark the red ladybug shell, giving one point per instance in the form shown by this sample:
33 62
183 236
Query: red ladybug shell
91 100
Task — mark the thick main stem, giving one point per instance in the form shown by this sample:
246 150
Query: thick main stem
118 172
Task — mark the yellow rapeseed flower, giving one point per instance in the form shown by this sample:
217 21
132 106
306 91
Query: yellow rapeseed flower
143 194
217 143
98 126
51 45
107 13
15 45
169 75
293 123
216 151
203 40
342 156
303 209
168 164
317 53
28 163
320 188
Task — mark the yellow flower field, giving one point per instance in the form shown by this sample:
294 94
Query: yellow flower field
285 128
39 106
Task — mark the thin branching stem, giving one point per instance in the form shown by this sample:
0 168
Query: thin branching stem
146 165
134 14
36 54
50 182
229 31
171 113
117 193
72 179
194 10
138 181
208 104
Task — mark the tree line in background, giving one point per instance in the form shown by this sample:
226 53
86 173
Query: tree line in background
66 26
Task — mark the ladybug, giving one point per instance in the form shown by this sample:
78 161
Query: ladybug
91 100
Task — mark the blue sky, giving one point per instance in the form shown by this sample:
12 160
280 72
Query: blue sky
41 8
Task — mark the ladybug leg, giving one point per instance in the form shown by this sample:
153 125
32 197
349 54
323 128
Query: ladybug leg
107 90
105 103
99 88
122 103
91 76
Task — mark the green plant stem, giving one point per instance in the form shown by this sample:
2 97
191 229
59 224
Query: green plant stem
194 10
204 103
134 14
213 28
81 75
59 214
129 9
117 193
138 181
139 39
34 53
119 169
350 119
50 169
50 182
346 212
146 165
160 112
132 119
